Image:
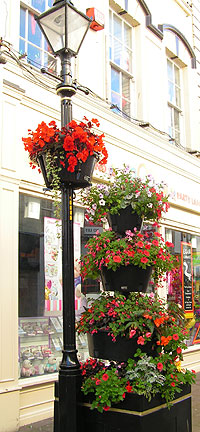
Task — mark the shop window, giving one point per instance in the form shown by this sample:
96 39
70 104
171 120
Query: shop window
40 285
31 40
120 56
174 100
174 279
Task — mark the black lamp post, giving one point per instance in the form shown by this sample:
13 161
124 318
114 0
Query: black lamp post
64 28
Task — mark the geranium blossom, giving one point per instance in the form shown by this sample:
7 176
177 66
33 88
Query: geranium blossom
73 143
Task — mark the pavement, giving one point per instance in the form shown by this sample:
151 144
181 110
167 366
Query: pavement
47 425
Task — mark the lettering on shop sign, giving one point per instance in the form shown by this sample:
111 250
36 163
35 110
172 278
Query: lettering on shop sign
187 277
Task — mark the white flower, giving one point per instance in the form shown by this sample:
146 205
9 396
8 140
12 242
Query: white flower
94 206
102 202
149 205
137 194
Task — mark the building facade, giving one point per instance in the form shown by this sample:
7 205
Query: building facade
139 64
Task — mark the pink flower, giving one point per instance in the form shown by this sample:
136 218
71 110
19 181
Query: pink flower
132 333
98 382
175 336
148 334
140 340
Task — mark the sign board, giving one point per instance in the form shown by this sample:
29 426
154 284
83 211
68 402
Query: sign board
196 339
187 279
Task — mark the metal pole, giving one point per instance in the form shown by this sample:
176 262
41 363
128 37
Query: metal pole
69 372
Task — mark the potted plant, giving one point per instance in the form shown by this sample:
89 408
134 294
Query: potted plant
116 326
126 262
107 385
68 155
125 195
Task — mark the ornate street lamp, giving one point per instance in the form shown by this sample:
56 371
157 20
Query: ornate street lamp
64 28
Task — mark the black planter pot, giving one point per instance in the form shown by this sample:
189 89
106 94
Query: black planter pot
135 413
101 346
125 220
126 279
80 178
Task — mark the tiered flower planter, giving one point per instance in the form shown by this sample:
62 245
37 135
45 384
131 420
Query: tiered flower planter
135 413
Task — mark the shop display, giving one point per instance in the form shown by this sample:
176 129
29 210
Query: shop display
40 346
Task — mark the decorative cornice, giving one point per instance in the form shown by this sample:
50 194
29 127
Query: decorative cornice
149 24
185 42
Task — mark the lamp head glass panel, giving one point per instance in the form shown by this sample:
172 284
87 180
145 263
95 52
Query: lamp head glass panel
64 27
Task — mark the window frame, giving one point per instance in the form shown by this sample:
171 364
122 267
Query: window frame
127 74
172 106
28 8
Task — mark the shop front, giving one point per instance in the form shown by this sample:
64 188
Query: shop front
40 283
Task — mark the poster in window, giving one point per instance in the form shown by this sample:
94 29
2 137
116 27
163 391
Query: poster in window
187 279
53 264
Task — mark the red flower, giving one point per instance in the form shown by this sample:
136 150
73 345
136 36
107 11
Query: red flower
175 336
160 366
129 388
98 382
106 408
105 377
173 384
117 259
144 260
179 350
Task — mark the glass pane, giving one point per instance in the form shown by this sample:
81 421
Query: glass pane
117 52
125 88
178 96
39 4
50 63
177 75
126 60
34 56
22 49
34 33
171 91
115 80
176 120
115 100
47 47
110 48
22 22
50 3
126 107
177 136
170 70
127 35
170 121
117 27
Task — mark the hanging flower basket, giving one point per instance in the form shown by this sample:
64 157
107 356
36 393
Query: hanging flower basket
79 178
102 346
110 255
125 279
68 155
125 220
145 197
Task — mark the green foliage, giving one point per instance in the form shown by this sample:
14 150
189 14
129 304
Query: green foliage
146 197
